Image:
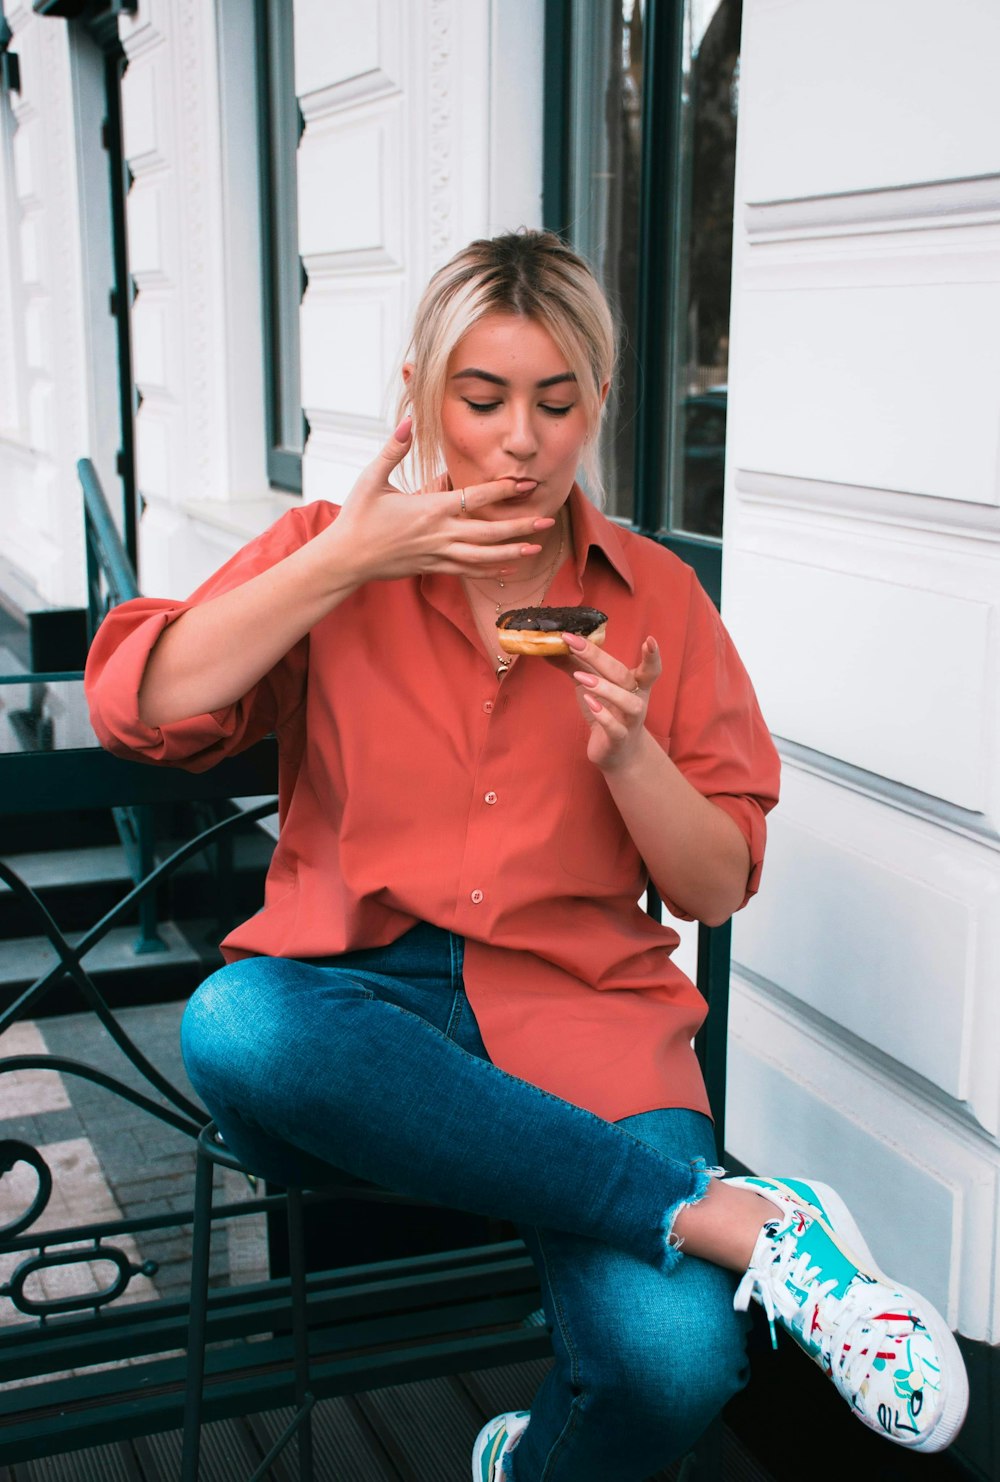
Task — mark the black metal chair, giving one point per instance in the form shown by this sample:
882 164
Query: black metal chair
408 1318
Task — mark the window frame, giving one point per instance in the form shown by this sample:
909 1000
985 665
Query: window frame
659 229
284 463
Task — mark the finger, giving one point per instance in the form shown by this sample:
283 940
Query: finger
500 532
488 557
599 660
480 496
613 727
650 665
627 699
395 450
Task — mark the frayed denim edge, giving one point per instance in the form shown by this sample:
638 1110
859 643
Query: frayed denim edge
672 1244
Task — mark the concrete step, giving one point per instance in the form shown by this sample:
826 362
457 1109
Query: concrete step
79 885
124 976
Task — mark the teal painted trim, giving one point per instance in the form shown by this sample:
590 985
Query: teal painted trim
284 466
657 234
703 554
54 678
555 116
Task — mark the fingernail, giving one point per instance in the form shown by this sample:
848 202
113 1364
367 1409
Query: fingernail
544 522
523 485
573 640
584 678
530 550
402 432
653 645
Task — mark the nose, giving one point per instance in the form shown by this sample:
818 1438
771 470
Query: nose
520 438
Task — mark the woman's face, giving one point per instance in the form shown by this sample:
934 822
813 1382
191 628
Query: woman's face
512 407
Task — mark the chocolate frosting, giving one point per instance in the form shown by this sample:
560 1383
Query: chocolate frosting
581 620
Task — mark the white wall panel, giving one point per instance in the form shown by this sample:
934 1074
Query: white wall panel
140 91
887 387
348 347
350 187
338 42
861 580
889 677
851 95
32 251
151 322
147 257
923 1188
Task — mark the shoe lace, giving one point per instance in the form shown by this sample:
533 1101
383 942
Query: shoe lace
788 1264
845 1317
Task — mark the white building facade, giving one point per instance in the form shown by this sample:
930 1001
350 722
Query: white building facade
860 549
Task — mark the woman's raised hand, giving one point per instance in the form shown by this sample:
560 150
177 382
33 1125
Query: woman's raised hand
613 697
392 534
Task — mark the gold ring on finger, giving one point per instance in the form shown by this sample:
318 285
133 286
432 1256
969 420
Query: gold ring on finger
462 510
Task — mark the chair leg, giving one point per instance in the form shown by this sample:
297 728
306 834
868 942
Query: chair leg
300 1331
197 1317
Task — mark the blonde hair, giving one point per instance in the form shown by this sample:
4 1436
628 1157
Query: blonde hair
530 273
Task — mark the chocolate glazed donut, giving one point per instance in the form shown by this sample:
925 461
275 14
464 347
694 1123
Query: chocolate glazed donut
539 630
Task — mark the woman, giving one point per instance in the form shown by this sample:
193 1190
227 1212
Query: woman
451 988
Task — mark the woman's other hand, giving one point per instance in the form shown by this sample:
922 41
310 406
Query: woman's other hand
392 534
613 697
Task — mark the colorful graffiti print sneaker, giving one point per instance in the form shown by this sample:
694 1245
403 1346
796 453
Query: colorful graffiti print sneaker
496 1440
888 1352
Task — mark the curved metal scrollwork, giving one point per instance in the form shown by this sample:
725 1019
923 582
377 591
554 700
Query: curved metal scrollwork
50 1249
11 1153
98 1254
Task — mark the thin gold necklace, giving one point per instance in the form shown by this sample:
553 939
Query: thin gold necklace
504 660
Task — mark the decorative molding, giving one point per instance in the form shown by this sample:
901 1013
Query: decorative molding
899 509
892 794
371 86
353 434
863 1055
441 164
897 209
197 213
334 265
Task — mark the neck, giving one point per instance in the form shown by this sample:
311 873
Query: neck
553 544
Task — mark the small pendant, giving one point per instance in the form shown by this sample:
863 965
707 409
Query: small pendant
502 667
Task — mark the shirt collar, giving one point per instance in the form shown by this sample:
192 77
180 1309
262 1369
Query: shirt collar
594 531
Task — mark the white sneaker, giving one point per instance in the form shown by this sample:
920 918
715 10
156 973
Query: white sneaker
496 1440
888 1351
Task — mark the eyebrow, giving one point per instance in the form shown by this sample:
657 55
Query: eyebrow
473 374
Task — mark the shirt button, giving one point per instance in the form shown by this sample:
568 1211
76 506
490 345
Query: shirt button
490 797
475 897
488 706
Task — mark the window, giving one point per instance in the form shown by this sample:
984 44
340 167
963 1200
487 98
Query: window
279 130
642 97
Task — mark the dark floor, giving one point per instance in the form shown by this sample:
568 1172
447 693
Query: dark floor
409 1433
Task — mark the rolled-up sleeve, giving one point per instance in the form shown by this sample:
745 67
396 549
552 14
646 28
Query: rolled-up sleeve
719 738
120 652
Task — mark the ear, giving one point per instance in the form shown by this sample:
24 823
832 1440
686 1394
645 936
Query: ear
407 372
604 392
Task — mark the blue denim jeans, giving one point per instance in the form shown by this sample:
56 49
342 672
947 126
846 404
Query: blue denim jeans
372 1062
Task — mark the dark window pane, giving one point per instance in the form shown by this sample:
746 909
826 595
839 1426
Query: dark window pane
708 134
609 78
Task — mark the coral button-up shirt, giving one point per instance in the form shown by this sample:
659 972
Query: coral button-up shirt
415 786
